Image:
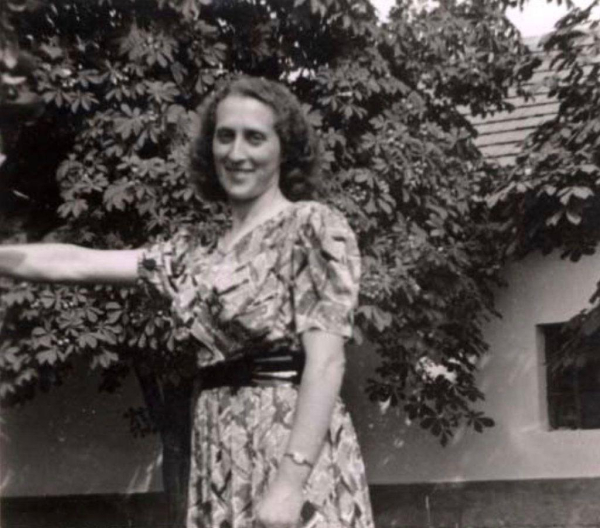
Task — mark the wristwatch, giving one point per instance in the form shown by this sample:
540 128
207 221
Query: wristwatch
299 459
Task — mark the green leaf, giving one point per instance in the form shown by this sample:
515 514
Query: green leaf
47 357
54 52
574 217
104 360
583 192
118 195
87 340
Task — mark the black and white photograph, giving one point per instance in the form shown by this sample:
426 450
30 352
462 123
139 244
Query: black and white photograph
299 263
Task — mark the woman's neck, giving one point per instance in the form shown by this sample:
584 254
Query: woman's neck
247 214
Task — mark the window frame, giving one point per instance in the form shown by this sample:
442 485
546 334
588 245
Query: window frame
573 389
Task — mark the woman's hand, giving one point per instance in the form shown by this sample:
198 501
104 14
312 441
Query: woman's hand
281 506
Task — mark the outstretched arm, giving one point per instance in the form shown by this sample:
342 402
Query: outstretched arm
68 263
318 392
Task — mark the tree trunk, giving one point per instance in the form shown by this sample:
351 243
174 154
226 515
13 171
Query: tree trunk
169 406
176 438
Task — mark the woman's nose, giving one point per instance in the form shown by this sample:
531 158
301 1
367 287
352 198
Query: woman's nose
237 151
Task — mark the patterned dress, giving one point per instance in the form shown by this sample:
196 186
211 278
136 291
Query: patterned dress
298 270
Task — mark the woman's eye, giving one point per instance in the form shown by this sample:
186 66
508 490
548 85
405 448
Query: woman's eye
256 137
224 136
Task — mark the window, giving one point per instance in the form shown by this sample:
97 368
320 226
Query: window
573 389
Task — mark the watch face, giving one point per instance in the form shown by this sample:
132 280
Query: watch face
297 458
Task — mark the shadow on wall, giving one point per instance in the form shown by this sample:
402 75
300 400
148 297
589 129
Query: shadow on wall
75 440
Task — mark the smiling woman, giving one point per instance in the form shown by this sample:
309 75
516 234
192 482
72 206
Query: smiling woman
271 305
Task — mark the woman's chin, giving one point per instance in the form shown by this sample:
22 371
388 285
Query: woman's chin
240 196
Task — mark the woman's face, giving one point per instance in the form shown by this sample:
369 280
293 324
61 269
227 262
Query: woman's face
246 148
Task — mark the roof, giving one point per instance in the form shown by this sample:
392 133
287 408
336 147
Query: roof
501 135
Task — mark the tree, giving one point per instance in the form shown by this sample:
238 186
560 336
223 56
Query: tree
458 54
120 80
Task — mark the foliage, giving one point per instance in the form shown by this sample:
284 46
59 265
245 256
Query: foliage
432 260
120 80
551 197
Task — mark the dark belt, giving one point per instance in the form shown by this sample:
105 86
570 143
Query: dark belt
252 368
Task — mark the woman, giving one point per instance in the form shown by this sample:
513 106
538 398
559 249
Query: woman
270 304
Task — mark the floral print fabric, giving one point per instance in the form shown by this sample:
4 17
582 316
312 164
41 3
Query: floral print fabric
297 271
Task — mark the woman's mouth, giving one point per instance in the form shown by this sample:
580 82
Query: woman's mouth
239 173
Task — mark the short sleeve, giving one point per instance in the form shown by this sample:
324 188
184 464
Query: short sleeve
161 264
326 264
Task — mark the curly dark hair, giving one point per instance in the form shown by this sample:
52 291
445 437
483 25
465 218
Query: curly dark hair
300 153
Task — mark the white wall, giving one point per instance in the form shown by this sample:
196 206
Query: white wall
521 446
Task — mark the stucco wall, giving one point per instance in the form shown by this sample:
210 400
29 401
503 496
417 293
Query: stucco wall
541 290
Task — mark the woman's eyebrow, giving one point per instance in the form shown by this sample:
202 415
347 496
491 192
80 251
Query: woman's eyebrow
245 129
